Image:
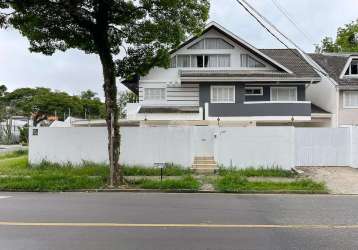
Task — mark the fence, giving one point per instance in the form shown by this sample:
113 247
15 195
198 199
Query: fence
237 147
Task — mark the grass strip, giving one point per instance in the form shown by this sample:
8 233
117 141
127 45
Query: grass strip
13 154
257 172
186 182
145 171
237 183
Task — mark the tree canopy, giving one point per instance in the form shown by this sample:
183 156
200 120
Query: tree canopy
346 40
145 30
40 103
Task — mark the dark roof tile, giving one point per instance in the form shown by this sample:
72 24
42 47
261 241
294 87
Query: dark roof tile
334 64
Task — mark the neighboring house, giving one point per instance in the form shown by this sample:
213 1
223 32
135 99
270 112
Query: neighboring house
338 91
219 77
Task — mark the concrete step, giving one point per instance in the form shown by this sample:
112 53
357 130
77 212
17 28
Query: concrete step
204 170
204 162
208 158
212 165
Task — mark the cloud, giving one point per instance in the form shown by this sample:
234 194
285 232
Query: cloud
74 71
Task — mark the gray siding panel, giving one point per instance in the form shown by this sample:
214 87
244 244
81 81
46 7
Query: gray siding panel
261 109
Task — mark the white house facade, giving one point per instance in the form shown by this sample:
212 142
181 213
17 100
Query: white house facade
217 76
338 90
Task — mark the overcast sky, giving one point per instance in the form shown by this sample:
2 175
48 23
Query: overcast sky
74 71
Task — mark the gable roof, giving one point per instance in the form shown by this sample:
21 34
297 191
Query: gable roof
334 65
293 60
217 27
300 69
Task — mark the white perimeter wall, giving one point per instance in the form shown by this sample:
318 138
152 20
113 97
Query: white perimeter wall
73 145
254 147
285 147
147 146
323 147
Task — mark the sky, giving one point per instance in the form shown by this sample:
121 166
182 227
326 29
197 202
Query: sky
74 71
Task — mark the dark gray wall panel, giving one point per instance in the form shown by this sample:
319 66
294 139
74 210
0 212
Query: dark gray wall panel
266 109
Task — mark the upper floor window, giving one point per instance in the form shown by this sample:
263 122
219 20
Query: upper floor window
353 68
248 61
212 43
283 93
350 99
222 94
154 94
254 91
200 61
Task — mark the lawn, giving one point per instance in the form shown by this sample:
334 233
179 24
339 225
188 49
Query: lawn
183 183
169 170
236 183
258 172
16 175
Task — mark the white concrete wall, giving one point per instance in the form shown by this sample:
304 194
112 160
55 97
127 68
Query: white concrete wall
325 95
354 147
232 146
64 145
253 147
147 146
323 147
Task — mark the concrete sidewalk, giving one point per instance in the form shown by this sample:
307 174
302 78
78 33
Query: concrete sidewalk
339 180
11 148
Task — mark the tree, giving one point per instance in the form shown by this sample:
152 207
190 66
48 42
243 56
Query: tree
346 41
88 94
92 105
40 103
123 99
3 89
148 28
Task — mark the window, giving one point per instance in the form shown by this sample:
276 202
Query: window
353 68
248 61
350 99
200 61
198 45
222 94
251 91
183 61
283 93
173 62
154 94
211 43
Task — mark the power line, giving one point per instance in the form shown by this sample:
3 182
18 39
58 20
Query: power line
287 15
251 9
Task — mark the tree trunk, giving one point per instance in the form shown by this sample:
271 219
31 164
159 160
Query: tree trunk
110 91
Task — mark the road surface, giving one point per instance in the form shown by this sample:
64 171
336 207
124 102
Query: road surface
153 221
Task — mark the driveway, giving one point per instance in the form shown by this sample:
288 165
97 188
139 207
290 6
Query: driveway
339 180
10 148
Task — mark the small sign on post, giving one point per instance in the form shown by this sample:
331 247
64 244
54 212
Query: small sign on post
160 165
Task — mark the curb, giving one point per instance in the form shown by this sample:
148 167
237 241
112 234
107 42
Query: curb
193 191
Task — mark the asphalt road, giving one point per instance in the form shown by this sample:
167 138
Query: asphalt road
176 221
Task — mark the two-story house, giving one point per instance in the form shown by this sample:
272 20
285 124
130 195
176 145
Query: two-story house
217 76
338 90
